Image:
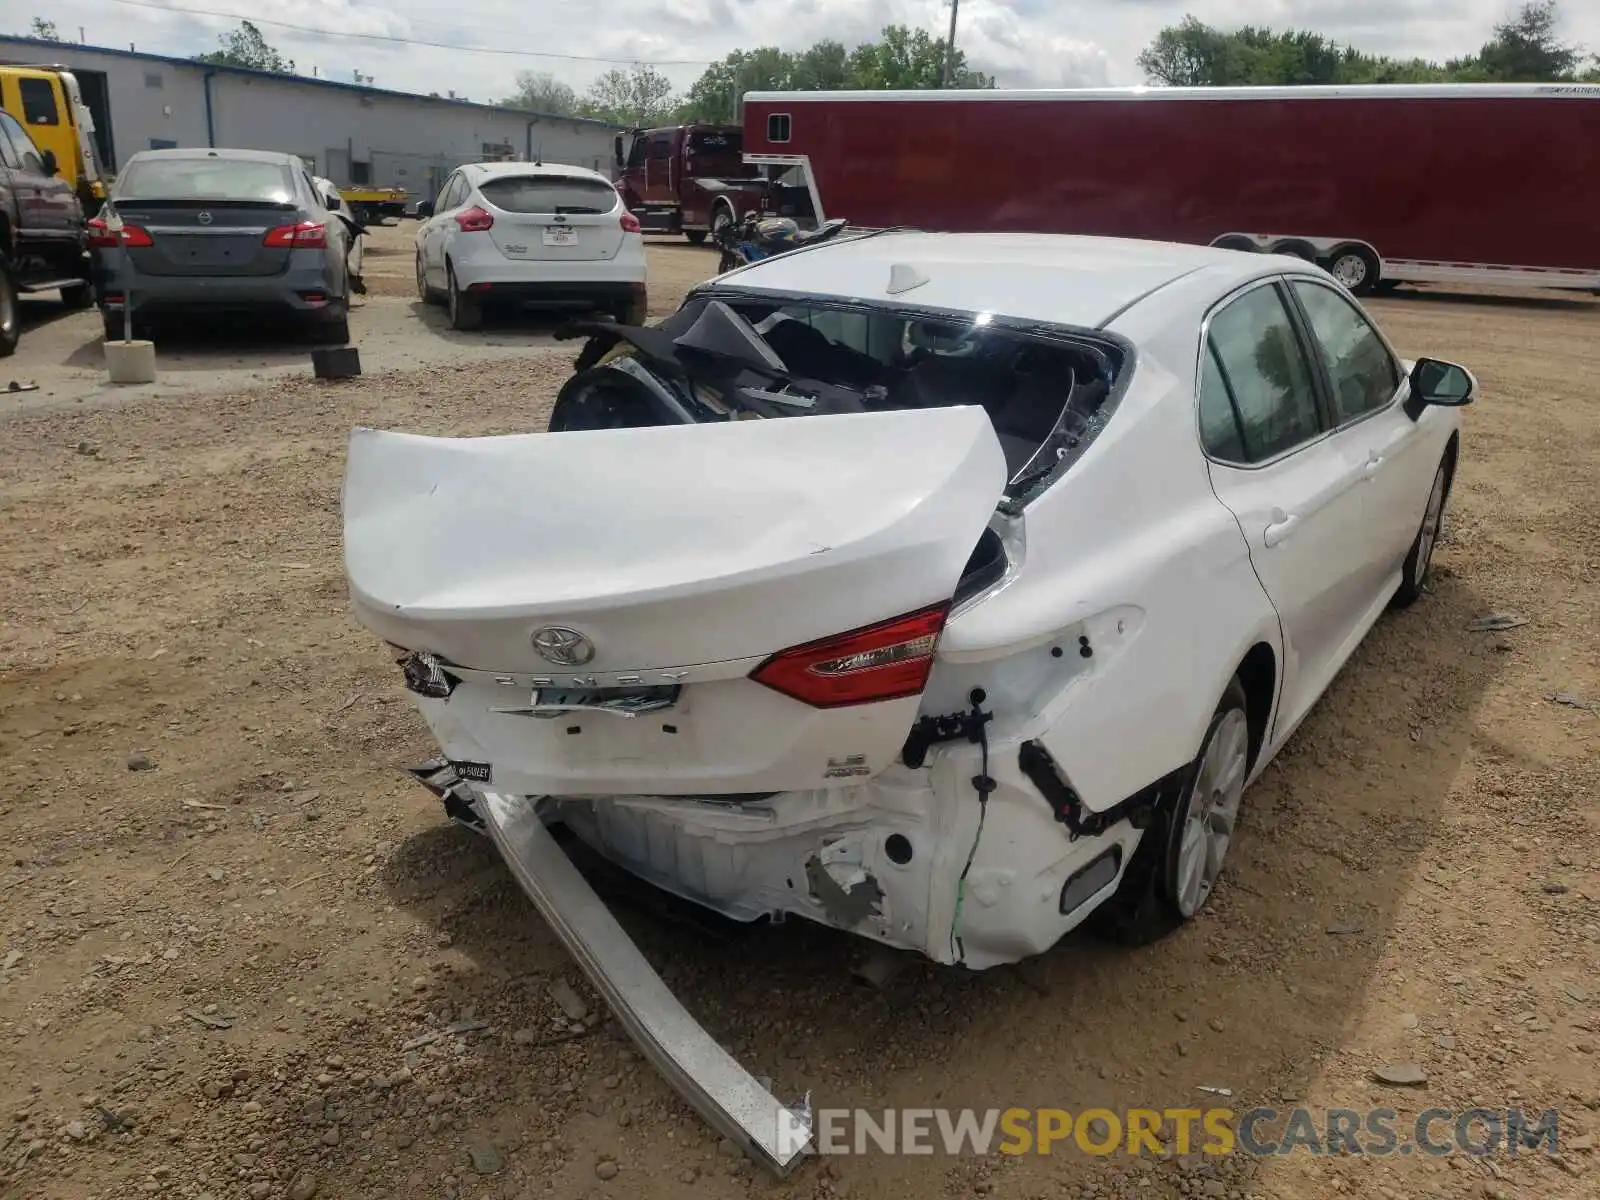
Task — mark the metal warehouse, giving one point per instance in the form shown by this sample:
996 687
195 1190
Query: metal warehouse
352 133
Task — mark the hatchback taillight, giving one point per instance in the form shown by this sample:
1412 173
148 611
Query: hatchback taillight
102 237
474 220
881 662
630 223
307 235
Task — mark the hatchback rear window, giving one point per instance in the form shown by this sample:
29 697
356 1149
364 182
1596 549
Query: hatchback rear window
549 194
206 179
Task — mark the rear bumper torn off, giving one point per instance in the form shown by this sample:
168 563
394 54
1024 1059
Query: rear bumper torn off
727 1096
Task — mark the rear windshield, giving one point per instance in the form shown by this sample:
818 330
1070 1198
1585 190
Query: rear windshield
206 179
550 194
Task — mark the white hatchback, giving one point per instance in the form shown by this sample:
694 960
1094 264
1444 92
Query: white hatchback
518 234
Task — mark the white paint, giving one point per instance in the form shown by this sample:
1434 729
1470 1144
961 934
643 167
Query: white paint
712 546
604 252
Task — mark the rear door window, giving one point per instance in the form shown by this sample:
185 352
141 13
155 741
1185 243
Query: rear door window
1265 375
549 194
215 179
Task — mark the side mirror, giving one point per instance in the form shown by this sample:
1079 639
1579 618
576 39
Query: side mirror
1434 381
616 149
424 209
48 160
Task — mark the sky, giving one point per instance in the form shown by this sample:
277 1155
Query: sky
481 45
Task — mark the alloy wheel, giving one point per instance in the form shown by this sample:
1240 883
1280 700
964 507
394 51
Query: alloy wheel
1428 537
1213 810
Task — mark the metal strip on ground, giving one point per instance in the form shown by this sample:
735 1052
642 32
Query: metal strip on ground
707 1076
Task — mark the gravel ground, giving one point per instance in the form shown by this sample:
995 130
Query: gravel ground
61 350
243 956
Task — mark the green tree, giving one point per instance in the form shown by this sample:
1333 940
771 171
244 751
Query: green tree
909 59
44 30
639 98
542 92
245 47
715 97
1526 48
901 59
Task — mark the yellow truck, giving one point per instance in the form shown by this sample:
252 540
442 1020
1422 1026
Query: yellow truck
48 103
370 205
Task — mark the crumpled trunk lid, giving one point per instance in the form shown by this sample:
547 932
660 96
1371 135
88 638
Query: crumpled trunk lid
679 558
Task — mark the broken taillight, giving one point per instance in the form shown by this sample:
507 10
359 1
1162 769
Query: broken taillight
887 661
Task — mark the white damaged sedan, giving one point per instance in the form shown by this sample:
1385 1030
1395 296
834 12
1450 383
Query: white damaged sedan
946 589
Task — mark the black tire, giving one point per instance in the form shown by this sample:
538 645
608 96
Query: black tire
428 295
79 296
10 312
1419 559
1296 250
466 314
332 333
697 237
112 324
1357 268
1235 242
1146 905
632 312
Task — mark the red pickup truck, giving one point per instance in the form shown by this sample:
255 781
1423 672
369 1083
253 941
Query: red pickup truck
692 179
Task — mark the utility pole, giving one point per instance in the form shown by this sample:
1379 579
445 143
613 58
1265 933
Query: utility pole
950 47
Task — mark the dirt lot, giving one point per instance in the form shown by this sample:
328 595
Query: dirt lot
244 957
395 332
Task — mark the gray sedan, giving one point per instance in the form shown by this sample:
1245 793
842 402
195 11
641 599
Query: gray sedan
208 232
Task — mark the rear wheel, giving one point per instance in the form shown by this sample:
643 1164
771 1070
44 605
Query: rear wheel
1357 268
1180 857
697 237
10 311
78 296
632 312
332 333
722 222
465 312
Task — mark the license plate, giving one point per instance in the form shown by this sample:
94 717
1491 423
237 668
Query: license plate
560 237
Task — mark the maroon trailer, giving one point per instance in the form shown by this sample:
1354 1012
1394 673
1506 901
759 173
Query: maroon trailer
1439 183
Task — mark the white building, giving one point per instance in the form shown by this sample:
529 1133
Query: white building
351 133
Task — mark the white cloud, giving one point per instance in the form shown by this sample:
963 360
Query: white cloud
1039 43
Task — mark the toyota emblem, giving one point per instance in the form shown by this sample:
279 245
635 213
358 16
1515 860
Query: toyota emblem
562 646
204 218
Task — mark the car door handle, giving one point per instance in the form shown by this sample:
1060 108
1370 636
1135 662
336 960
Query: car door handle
1280 527
1374 461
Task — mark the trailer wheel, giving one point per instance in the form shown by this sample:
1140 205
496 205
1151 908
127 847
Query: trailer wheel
1235 242
1357 268
697 237
1296 250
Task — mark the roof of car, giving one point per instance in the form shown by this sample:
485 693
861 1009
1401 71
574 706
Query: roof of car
1059 278
277 157
481 171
